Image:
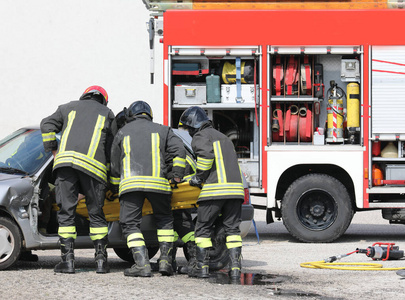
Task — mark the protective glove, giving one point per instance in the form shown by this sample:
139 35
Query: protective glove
112 193
175 181
195 181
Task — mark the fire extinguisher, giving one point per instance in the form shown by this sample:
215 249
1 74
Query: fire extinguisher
335 96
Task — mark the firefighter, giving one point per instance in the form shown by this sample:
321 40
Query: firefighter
138 168
81 165
220 178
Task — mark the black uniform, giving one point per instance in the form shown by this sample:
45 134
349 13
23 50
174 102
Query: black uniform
138 166
222 192
81 163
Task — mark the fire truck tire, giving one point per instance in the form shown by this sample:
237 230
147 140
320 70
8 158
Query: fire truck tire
125 253
10 243
316 209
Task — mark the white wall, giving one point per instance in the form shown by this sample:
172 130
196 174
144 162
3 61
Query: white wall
52 50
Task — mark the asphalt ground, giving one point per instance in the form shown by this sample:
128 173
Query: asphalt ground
271 270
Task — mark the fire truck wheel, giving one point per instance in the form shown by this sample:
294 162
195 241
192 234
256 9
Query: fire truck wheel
10 243
316 208
125 253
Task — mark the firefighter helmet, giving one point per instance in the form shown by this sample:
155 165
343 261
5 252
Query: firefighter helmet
139 108
97 92
193 117
121 118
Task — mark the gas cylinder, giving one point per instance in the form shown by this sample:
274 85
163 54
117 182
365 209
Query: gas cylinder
353 112
335 114
377 175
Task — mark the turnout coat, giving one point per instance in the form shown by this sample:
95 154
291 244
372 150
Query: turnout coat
217 165
139 154
87 129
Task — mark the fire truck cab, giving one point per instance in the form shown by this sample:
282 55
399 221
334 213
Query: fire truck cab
312 97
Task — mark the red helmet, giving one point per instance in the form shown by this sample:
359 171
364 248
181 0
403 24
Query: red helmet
93 91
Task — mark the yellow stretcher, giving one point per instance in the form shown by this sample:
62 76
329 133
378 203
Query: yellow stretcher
185 196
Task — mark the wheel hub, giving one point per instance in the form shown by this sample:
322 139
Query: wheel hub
6 243
317 210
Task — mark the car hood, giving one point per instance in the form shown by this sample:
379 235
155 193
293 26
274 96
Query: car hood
15 190
4 177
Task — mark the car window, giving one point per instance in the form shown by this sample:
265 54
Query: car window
23 150
186 138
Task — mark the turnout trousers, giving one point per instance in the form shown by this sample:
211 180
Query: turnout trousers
183 224
209 210
131 211
69 183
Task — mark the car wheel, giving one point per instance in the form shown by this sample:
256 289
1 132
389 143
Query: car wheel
316 208
10 243
125 253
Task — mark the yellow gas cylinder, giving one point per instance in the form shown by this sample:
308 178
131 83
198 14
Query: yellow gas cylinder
353 105
353 112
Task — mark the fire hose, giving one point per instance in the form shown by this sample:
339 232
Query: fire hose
376 252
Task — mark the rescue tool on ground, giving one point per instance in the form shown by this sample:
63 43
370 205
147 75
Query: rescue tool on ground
378 251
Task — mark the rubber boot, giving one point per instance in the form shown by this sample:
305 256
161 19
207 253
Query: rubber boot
100 256
174 261
67 265
235 264
191 259
165 259
201 267
141 267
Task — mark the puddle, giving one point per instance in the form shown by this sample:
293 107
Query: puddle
247 279
292 293
261 279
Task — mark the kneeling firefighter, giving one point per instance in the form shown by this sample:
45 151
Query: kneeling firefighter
139 169
219 176
81 159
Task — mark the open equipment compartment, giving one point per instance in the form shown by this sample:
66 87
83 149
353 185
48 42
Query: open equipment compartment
226 83
308 95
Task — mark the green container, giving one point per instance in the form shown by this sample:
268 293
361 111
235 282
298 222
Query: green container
213 89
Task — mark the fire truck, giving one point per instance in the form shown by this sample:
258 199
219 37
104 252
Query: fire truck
312 94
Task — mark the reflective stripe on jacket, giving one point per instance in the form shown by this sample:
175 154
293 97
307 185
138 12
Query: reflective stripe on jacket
86 137
139 154
217 165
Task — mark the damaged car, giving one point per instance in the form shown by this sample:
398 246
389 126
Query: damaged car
28 209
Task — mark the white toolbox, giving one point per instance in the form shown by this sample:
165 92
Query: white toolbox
190 93
229 93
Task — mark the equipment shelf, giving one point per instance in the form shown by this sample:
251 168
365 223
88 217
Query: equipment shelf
293 99
221 106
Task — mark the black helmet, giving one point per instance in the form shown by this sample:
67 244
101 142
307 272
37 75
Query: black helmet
138 108
193 117
121 118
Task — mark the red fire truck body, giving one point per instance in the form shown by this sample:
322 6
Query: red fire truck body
318 124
